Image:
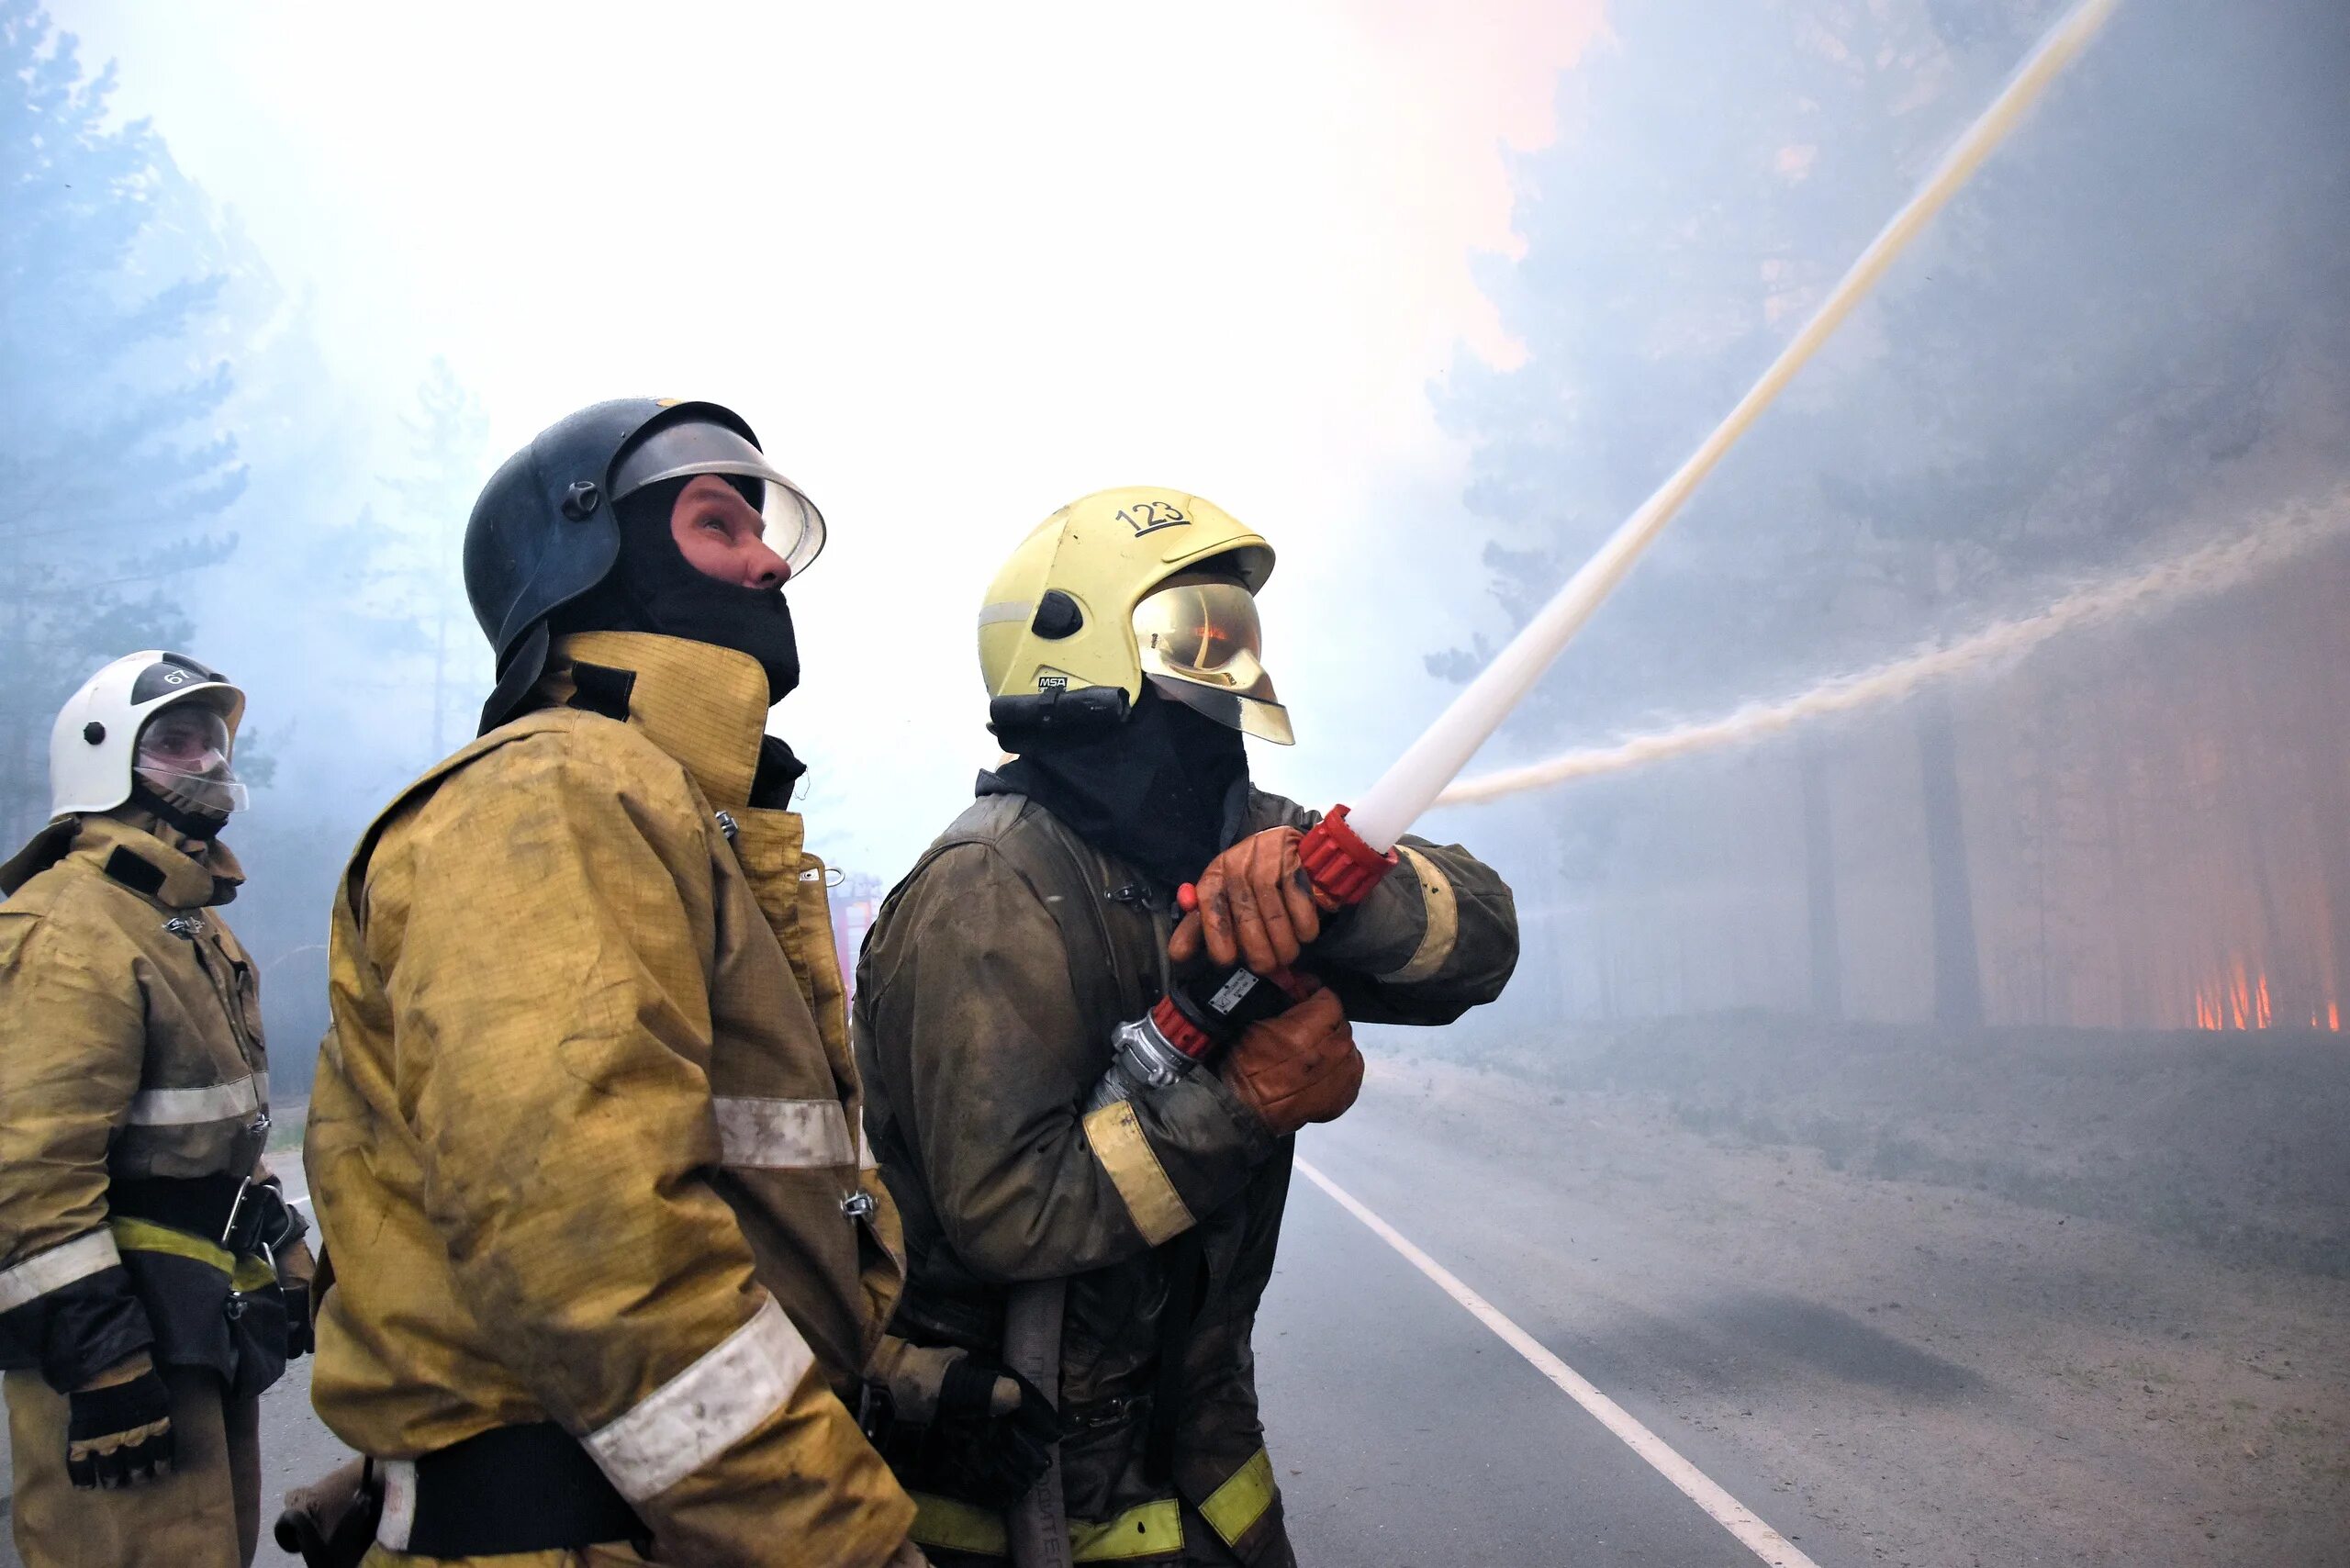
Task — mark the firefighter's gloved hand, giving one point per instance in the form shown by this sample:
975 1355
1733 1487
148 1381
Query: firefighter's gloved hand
1256 906
301 1340
986 1432
118 1427
1299 1066
915 1376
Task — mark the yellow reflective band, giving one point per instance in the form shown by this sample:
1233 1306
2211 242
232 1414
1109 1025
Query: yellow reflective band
1118 1143
1153 1529
146 1236
957 1526
1442 931
1234 1508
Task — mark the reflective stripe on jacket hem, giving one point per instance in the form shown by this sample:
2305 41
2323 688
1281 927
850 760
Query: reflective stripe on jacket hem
399 1518
1234 1508
705 1409
187 1107
247 1273
58 1266
1151 1529
1158 1210
782 1135
1441 933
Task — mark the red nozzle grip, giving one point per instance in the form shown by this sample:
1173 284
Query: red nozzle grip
1180 1032
1343 868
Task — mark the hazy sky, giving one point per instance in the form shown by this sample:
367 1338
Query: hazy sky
958 264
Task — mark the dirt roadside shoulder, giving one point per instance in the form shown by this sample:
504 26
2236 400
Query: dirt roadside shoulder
1945 1372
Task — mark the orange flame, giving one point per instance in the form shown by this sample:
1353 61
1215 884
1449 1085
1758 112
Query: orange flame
2238 999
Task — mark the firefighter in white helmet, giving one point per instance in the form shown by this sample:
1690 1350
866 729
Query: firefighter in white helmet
152 1279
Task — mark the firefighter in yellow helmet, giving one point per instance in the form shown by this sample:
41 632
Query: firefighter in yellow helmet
609 1255
1034 1128
152 1279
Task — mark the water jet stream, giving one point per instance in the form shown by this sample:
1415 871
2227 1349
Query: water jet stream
2200 574
1414 782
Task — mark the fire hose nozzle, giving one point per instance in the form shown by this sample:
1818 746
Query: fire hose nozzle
1342 867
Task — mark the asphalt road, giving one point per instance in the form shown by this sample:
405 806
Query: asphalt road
1872 1374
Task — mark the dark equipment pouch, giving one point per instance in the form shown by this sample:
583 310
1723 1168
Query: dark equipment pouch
331 1522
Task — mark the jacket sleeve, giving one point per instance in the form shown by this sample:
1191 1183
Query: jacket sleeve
1436 937
986 1056
73 1043
552 1031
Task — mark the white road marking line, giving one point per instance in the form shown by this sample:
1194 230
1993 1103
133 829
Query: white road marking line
1700 1488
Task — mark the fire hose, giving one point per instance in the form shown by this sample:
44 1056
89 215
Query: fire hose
1347 852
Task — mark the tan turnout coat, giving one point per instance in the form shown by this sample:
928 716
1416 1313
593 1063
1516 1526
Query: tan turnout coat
584 1137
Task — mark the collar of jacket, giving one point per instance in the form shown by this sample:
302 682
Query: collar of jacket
188 882
705 705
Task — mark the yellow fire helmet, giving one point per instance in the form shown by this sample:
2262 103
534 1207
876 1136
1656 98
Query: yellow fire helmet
1128 584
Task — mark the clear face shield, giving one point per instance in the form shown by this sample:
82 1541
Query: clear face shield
794 528
182 755
1200 644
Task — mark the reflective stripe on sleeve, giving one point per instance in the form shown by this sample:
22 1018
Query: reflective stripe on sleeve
782 1135
187 1107
865 1160
1233 1509
705 1409
1158 1210
1442 932
58 1266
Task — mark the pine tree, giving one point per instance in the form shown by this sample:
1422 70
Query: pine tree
115 469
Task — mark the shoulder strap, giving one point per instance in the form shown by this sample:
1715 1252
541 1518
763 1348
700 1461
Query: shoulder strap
1083 891
1059 875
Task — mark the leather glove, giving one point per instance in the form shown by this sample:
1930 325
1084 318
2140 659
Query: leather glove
987 1433
915 1376
1256 904
118 1427
1298 1067
331 1522
299 1338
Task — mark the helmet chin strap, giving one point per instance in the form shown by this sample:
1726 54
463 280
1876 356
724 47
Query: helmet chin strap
191 820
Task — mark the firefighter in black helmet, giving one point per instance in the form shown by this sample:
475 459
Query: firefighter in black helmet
584 1138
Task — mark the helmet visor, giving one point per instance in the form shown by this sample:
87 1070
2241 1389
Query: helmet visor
1199 641
795 529
184 755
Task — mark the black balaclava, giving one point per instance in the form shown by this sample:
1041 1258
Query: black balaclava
653 587
1166 790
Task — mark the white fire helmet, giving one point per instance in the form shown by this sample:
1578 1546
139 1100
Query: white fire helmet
155 719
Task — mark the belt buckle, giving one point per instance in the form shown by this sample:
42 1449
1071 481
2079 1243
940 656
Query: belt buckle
241 1211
